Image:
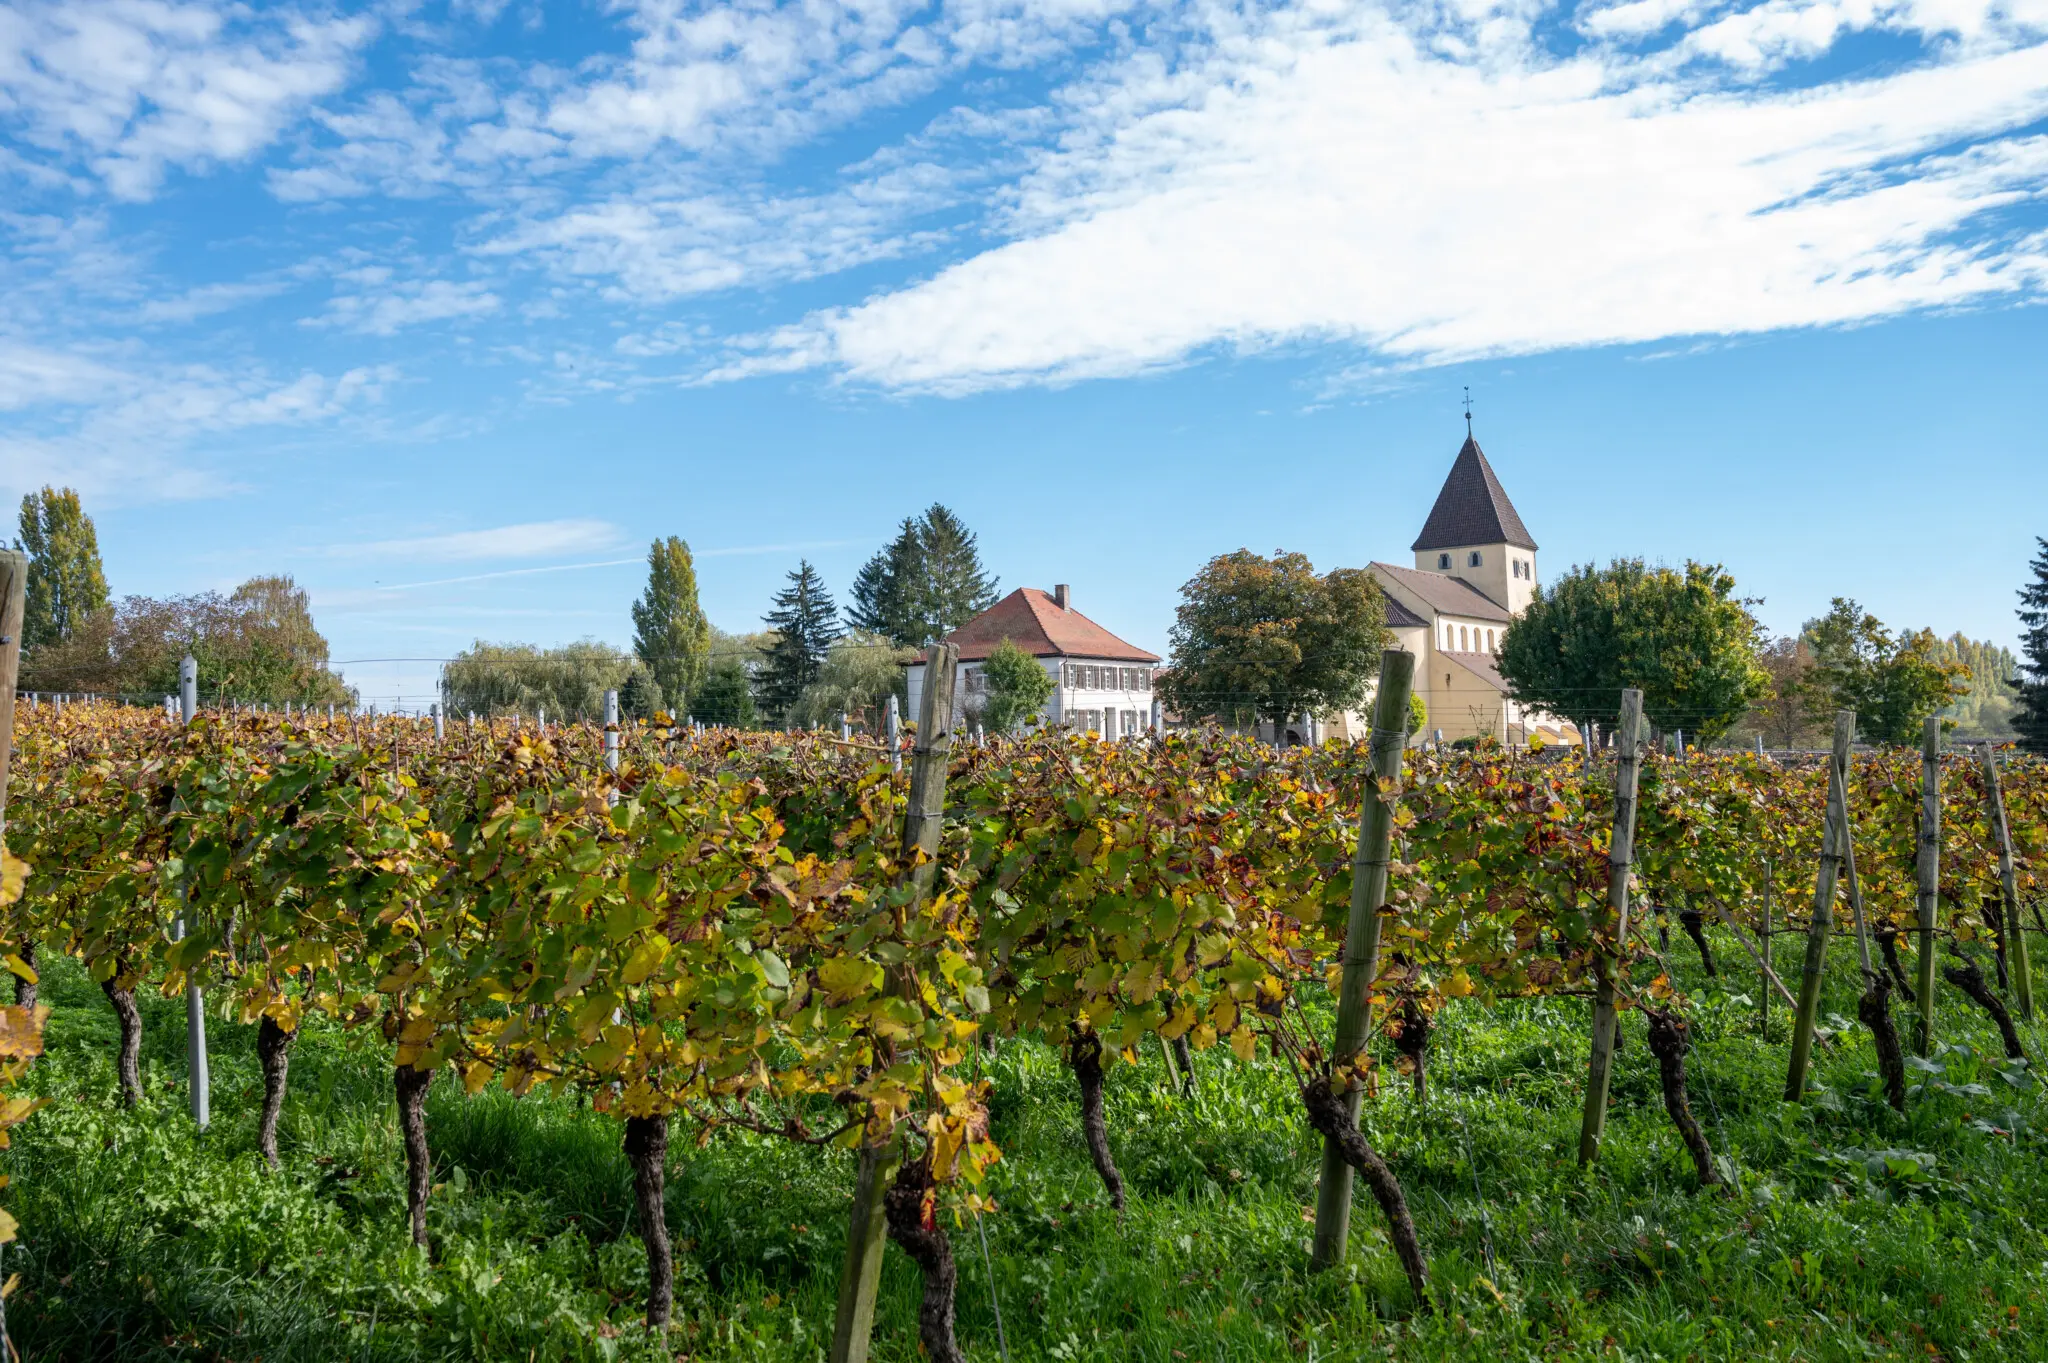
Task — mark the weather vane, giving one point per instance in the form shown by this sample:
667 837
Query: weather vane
1468 413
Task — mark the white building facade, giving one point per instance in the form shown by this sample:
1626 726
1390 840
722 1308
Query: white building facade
1101 684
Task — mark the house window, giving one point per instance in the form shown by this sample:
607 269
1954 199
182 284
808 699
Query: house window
1443 560
1474 558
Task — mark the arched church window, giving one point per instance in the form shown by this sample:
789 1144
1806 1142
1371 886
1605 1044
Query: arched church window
1464 640
1474 560
1489 641
1443 560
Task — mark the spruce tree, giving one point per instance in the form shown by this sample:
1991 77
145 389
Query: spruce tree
726 696
952 587
670 632
2031 720
805 624
925 583
66 583
883 590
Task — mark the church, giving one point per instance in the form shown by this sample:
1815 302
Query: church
1474 571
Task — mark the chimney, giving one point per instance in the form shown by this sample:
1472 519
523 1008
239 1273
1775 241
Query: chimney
1059 597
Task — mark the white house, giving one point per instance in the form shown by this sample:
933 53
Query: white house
1100 683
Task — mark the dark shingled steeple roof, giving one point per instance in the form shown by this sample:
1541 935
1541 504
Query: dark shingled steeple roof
1472 508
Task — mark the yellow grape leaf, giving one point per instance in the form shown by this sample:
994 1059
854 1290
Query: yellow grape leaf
1458 985
1243 1044
8 1227
13 875
648 955
21 968
845 975
21 1032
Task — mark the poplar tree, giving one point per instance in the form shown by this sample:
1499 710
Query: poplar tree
2031 719
670 632
66 584
805 623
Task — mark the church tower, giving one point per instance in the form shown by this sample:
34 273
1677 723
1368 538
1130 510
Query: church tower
1473 533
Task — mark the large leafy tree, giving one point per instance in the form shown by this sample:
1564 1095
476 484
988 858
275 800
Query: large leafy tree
1892 682
567 682
258 644
1266 638
925 583
670 632
1986 710
66 584
860 672
1681 636
2030 721
1015 687
805 623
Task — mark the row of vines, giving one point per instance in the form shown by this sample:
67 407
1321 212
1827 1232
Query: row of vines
775 933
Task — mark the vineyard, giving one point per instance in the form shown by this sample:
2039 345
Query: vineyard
1136 1013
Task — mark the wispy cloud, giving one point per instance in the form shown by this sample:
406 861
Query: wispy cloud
346 597
382 306
534 539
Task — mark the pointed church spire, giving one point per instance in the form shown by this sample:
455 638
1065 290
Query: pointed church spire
1473 508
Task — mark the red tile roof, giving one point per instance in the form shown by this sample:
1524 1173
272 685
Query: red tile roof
1035 622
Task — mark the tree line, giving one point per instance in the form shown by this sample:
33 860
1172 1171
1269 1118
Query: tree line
809 664
1265 639
1255 639
255 644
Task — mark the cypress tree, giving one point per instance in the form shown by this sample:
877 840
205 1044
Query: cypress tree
670 632
805 624
2031 720
66 583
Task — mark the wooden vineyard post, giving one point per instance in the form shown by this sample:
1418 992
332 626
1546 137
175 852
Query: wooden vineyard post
201 1084
13 607
1929 874
1388 740
867 1230
1763 1007
2009 888
1834 830
1628 746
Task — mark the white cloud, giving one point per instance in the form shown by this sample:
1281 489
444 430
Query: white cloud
1309 181
132 87
535 539
129 431
658 245
31 376
205 300
384 308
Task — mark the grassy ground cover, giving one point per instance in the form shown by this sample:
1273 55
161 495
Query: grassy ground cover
1853 1233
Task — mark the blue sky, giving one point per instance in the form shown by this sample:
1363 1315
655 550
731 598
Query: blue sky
447 309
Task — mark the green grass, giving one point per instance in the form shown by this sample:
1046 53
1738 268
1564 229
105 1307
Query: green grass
1855 1234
